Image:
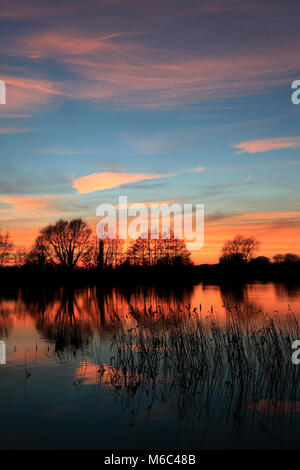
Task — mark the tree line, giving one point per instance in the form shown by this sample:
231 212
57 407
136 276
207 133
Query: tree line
242 250
70 244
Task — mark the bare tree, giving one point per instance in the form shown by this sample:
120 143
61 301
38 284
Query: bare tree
150 251
6 247
239 249
39 254
175 251
67 242
143 251
20 257
105 253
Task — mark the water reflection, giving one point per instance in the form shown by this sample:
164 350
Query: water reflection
288 292
6 323
69 317
203 380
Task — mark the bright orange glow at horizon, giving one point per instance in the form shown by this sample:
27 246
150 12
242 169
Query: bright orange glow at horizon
278 232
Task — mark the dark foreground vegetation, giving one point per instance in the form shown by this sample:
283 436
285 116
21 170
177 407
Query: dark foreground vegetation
238 374
159 274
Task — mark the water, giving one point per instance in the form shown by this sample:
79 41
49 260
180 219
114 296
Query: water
60 387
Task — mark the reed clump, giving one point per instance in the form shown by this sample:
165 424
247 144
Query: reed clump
237 372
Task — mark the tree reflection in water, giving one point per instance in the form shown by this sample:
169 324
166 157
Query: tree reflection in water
151 348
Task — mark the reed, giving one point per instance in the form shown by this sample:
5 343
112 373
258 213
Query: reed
237 372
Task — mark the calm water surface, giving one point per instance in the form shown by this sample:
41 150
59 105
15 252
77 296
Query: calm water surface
57 341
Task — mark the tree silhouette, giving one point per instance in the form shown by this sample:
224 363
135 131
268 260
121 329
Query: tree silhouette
239 250
291 258
105 253
20 258
149 251
39 254
66 242
287 258
6 247
260 261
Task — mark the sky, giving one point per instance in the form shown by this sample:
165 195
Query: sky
158 100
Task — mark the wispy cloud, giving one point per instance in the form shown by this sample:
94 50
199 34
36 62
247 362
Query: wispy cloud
14 130
39 207
248 218
28 203
114 69
23 93
63 44
197 169
69 151
219 6
20 10
266 145
144 78
107 180
146 204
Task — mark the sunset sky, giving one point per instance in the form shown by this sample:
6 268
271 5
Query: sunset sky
159 100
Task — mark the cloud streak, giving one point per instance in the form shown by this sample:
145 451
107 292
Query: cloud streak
40 206
111 69
24 93
108 180
197 169
56 44
267 145
14 130
20 10
148 79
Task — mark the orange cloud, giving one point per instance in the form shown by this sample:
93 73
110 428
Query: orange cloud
156 82
108 180
28 203
275 215
129 74
266 145
252 217
26 92
37 207
58 44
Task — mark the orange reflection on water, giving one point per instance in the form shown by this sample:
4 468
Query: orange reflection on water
69 318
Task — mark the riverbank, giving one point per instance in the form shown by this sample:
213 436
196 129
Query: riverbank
161 275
